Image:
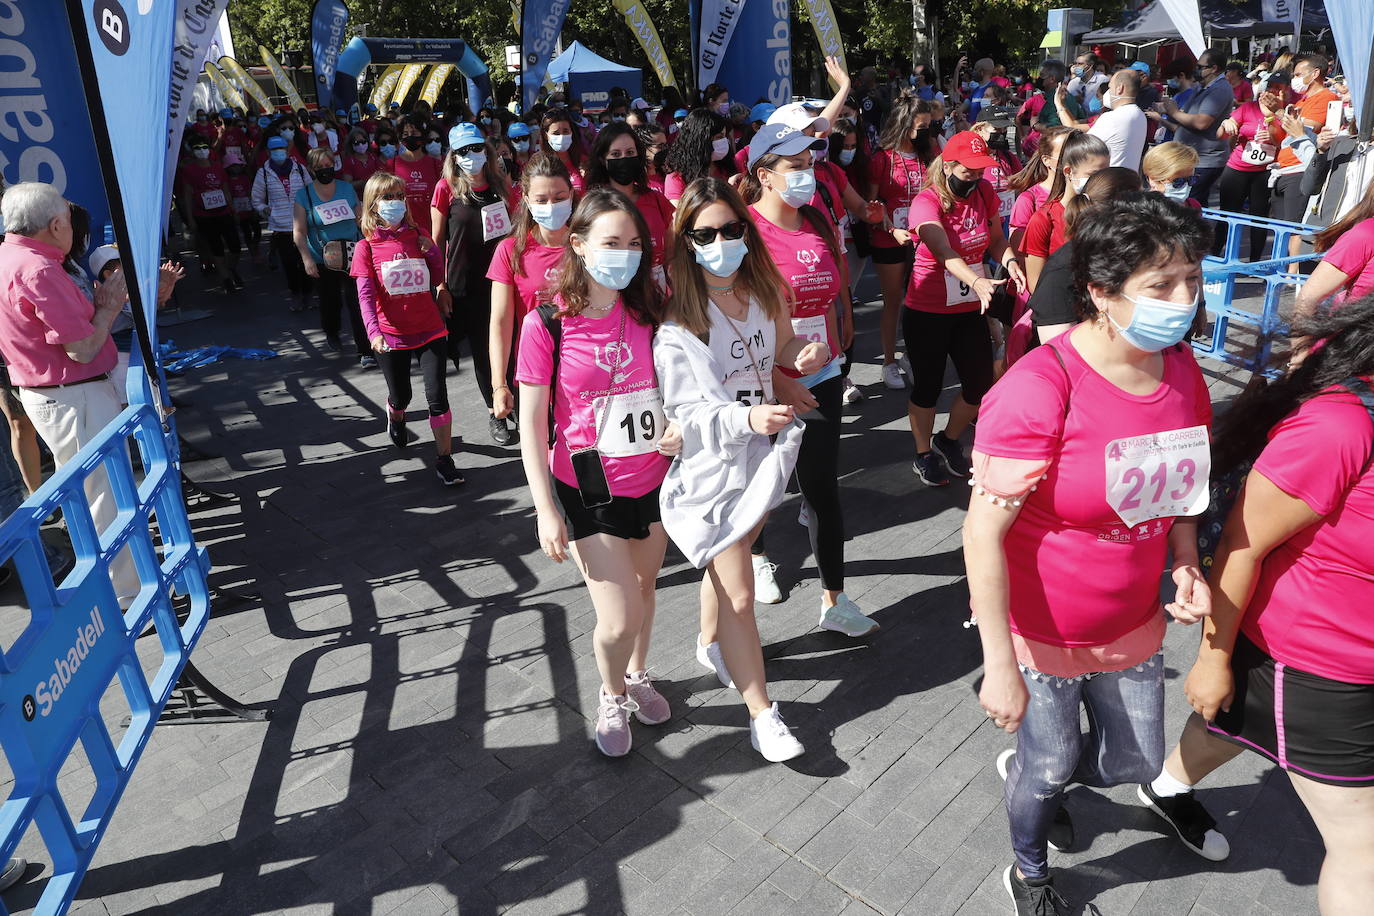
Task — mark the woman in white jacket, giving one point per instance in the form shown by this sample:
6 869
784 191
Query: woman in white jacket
727 324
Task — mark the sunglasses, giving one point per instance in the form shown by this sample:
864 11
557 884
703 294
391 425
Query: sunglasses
707 234
469 150
1178 183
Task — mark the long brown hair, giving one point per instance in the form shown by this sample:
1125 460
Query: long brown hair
1079 146
641 297
1358 213
758 276
899 123
541 165
1035 170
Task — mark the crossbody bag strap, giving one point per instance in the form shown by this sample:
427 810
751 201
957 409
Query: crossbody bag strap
548 315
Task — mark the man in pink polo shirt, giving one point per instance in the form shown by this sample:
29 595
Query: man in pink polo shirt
56 342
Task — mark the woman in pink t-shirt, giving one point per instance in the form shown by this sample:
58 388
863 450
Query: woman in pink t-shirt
1286 664
396 266
805 246
618 161
1244 185
701 150
955 218
1346 270
586 366
1089 453
524 270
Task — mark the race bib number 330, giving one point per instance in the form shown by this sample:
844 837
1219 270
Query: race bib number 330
1160 475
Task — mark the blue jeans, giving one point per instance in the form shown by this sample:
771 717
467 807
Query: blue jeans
1124 744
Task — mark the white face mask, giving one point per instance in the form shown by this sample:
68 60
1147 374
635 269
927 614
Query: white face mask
1298 84
800 187
722 257
1177 194
720 149
846 156
471 164
1108 100
552 216
560 143
317 128
1078 183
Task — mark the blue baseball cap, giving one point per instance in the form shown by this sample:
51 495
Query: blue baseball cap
371 107
465 135
518 129
782 140
226 112
341 112
264 121
396 105
1141 66
680 113
276 143
762 111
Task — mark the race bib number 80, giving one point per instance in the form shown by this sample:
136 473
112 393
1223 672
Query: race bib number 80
1161 475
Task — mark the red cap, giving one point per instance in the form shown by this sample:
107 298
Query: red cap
969 150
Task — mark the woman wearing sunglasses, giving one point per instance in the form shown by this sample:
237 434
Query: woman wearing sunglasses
727 324
593 415
470 215
1168 168
803 243
619 161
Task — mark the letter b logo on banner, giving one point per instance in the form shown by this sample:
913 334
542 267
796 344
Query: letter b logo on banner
112 25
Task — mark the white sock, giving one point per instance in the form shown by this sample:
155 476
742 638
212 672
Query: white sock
1166 786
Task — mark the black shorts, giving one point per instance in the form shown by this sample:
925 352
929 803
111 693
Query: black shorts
218 234
900 254
624 517
1289 203
1310 725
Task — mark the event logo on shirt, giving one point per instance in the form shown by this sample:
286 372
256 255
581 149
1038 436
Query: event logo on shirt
809 258
608 354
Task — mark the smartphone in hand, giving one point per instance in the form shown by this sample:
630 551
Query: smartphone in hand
1333 115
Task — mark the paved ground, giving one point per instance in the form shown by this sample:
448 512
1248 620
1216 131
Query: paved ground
432 681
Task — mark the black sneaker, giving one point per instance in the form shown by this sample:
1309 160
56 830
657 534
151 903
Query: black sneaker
396 429
449 475
1061 835
1194 826
500 432
1034 896
367 361
931 469
953 453
333 343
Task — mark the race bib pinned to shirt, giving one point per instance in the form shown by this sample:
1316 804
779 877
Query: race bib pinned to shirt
405 276
213 199
957 292
333 211
1259 153
495 221
811 328
1160 475
1005 201
901 217
634 423
243 205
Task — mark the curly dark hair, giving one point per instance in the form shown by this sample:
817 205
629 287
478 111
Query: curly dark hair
1141 229
690 155
1347 334
597 175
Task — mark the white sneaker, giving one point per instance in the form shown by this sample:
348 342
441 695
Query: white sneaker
771 737
852 393
892 377
766 589
711 659
845 617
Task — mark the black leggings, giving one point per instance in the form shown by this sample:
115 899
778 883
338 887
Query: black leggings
931 338
433 359
471 321
297 281
338 293
818 476
1237 188
251 230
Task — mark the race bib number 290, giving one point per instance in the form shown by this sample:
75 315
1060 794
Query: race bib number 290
1160 475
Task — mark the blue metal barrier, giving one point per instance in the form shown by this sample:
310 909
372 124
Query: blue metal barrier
1220 275
78 640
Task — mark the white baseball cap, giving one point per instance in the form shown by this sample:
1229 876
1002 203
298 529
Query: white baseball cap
101 257
799 116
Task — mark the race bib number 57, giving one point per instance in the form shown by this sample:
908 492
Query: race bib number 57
1161 475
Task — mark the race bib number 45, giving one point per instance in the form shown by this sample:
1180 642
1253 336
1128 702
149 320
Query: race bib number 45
1161 475
405 276
634 423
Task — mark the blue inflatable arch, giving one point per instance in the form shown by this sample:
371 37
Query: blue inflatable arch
360 52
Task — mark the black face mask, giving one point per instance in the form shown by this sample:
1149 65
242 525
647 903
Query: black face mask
412 143
999 141
962 187
626 169
325 175
920 134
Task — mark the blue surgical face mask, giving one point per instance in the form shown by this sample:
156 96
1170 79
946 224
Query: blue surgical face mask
552 216
722 257
560 143
471 164
1157 324
277 155
801 187
433 147
847 156
391 211
521 146
1179 194
388 151
613 268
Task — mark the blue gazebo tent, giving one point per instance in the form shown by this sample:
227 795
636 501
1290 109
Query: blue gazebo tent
590 77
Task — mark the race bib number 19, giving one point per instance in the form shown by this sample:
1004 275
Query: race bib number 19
1161 475
634 423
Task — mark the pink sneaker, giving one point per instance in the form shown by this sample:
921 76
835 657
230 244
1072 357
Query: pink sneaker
613 724
653 708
